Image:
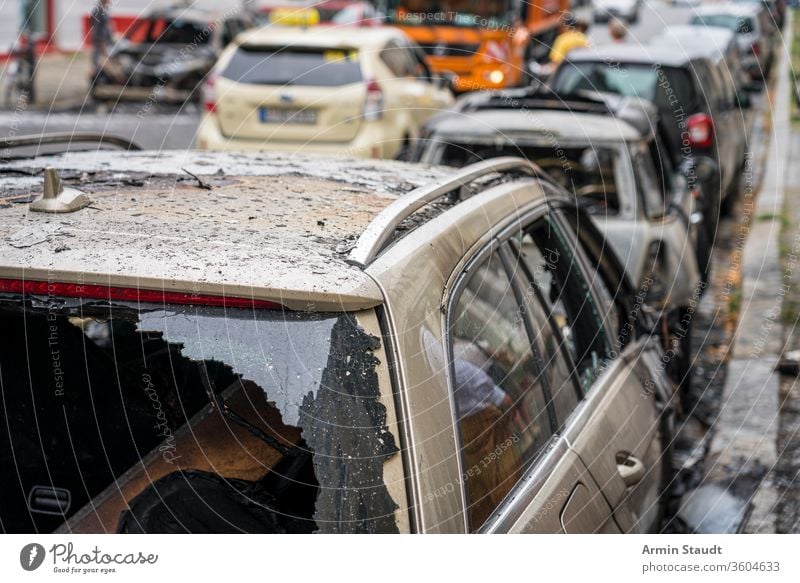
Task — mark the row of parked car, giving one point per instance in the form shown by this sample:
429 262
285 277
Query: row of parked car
488 339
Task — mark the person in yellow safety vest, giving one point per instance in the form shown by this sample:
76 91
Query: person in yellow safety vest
573 36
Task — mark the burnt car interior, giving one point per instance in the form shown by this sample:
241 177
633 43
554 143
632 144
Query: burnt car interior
160 30
137 420
586 171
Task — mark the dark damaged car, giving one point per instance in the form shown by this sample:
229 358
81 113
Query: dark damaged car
165 55
272 343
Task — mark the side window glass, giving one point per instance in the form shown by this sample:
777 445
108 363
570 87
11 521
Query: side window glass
535 275
500 400
568 299
229 31
421 69
616 307
652 195
392 56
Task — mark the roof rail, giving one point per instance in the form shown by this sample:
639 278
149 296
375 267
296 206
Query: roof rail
67 138
382 227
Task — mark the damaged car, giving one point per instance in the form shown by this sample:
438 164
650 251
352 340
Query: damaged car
166 55
276 343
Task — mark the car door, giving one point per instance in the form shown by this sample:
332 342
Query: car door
511 382
622 432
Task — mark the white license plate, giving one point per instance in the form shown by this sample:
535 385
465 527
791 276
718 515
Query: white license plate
282 115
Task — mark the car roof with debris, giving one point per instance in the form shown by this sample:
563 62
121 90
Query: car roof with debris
537 124
263 226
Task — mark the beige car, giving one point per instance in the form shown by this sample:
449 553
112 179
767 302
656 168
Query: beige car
275 343
349 91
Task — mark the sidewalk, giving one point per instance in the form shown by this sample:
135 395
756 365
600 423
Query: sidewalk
742 489
62 81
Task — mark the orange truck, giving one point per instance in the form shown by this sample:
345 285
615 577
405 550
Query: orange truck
485 44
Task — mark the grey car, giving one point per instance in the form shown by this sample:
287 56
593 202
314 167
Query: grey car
752 25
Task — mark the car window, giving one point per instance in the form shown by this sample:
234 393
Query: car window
569 301
135 378
402 61
615 305
417 56
647 183
664 86
548 319
310 66
498 388
394 56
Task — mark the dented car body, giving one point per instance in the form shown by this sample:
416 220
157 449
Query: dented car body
269 343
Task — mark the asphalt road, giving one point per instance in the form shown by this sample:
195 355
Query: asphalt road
654 16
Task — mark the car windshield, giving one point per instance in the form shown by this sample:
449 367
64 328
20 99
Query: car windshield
163 31
737 24
173 397
488 14
664 86
588 172
309 66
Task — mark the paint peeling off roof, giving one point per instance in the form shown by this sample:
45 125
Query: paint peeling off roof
272 226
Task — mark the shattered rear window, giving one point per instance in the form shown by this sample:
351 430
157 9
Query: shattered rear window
229 420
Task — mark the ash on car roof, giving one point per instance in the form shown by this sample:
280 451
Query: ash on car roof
272 227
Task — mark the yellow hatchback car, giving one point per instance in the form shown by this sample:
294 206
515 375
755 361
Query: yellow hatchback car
360 92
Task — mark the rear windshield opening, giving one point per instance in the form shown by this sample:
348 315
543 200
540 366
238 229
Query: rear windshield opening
588 172
225 420
310 66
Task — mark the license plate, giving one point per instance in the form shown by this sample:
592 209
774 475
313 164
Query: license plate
281 115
